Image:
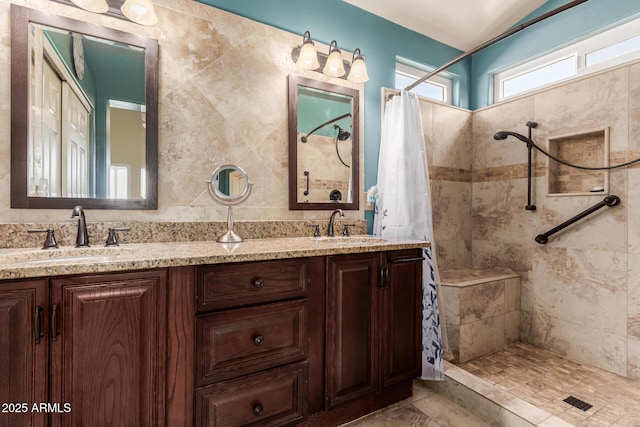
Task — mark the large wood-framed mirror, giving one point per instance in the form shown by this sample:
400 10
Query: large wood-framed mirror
84 115
324 151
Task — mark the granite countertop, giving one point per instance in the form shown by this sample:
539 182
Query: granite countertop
24 263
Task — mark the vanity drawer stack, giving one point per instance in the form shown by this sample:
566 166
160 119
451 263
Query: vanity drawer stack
251 343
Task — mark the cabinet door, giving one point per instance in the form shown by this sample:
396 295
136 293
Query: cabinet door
400 311
352 298
23 352
108 361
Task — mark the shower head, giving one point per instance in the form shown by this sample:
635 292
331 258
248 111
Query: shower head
305 138
504 134
343 135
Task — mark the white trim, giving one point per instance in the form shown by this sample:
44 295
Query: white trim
446 84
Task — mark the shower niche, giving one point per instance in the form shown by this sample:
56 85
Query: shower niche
589 149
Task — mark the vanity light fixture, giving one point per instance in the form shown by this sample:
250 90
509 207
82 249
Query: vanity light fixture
140 11
334 66
95 6
306 57
358 73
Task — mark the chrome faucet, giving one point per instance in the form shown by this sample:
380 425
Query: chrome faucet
82 240
330 232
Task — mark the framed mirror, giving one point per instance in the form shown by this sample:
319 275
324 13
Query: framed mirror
84 115
324 149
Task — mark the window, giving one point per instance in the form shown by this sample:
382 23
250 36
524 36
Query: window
118 181
607 49
437 87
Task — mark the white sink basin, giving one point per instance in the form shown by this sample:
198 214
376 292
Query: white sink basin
64 260
64 255
351 240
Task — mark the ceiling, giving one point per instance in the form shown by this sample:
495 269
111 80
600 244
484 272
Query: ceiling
463 24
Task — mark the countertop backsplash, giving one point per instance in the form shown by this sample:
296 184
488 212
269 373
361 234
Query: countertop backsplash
16 235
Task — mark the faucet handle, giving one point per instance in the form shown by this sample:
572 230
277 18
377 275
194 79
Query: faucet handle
316 231
112 239
345 230
50 240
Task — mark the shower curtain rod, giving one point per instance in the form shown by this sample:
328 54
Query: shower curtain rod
495 40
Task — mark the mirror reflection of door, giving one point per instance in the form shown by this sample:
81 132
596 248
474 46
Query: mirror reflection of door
230 182
125 126
75 144
59 142
45 153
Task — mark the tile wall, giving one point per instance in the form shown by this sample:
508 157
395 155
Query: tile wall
222 99
580 291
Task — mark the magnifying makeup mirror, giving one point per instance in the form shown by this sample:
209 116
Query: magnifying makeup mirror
229 185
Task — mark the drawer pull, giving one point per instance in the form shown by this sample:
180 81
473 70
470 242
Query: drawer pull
258 409
258 340
258 283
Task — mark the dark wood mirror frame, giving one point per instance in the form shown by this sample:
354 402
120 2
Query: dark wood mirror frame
294 83
21 17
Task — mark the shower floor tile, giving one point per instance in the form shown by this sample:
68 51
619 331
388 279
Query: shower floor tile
545 379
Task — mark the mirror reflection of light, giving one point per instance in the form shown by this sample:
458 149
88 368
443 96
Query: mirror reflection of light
140 11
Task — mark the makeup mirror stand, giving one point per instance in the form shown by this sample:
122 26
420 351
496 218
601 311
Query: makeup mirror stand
229 200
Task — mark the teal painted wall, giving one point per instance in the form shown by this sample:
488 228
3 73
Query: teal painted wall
379 40
314 109
565 28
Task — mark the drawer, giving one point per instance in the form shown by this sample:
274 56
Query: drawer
246 340
250 283
271 398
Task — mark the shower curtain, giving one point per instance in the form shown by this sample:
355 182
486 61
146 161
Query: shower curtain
403 211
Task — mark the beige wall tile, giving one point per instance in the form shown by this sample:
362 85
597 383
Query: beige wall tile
211 112
481 301
512 294
481 337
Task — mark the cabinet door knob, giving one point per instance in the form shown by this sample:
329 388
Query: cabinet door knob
258 340
258 283
258 409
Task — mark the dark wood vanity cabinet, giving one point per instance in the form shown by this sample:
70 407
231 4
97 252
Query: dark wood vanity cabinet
373 318
100 353
107 348
314 341
24 353
352 327
252 343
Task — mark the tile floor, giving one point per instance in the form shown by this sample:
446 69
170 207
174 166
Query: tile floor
425 408
536 376
544 379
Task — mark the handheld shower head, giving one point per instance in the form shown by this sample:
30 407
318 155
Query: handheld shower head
305 138
343 135
505 133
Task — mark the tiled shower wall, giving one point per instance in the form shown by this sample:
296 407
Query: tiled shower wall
580 291
222 99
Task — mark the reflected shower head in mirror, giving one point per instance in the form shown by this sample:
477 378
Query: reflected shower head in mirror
343 135
328 122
